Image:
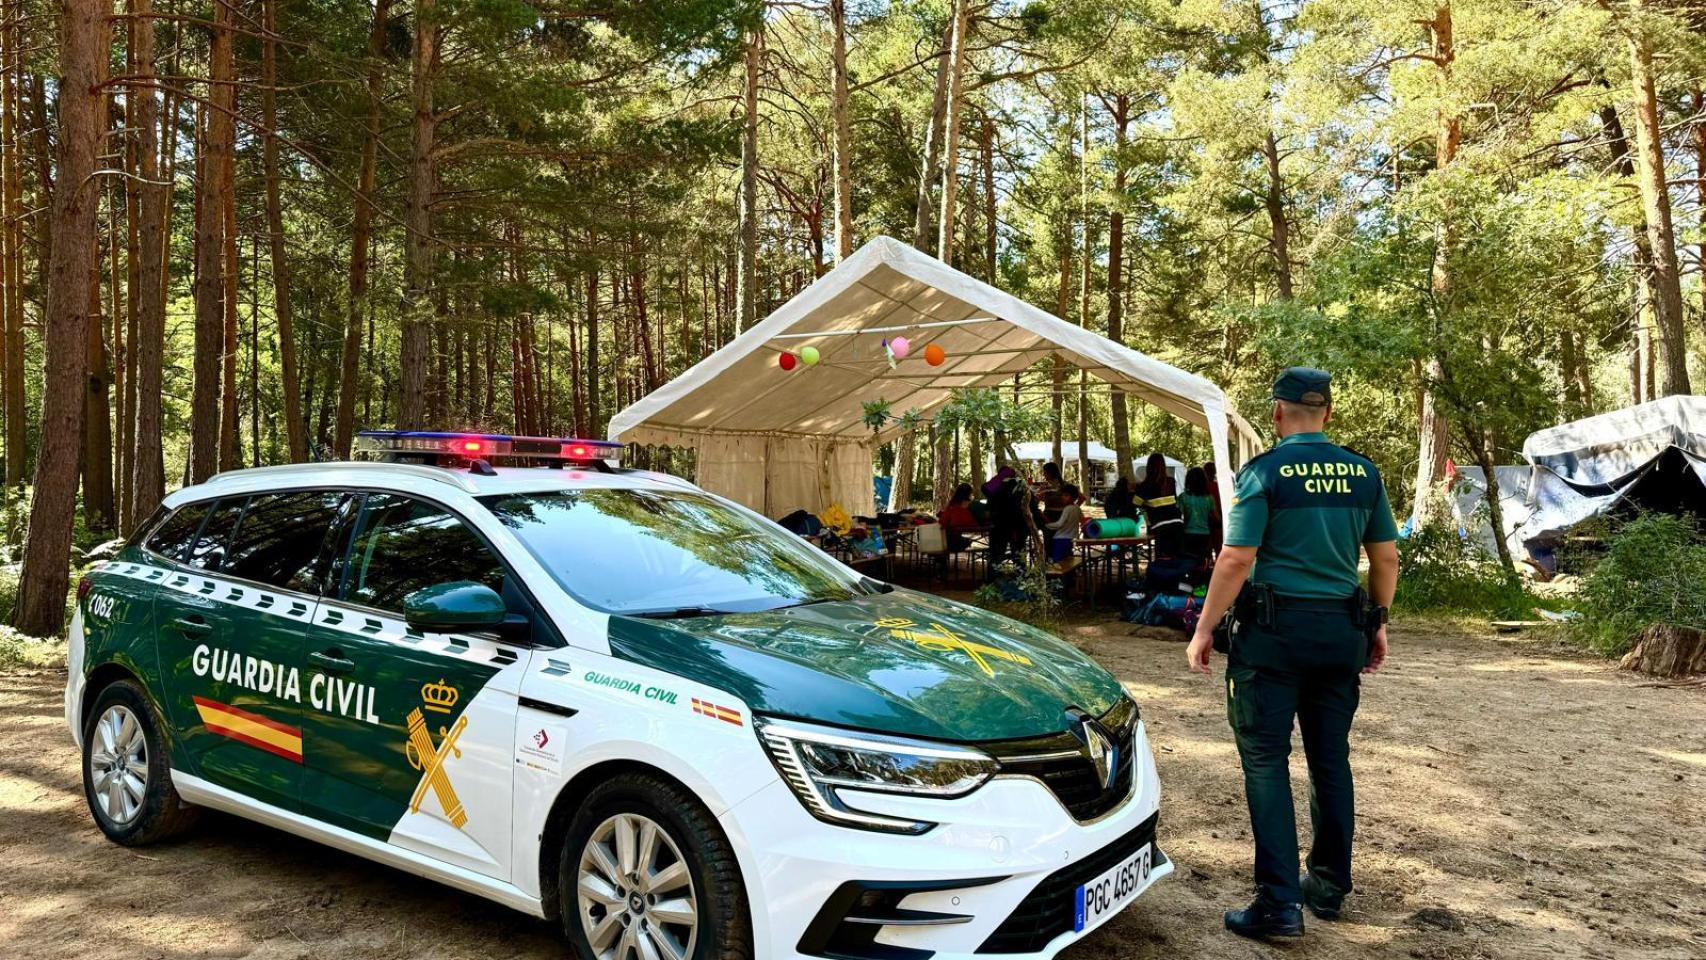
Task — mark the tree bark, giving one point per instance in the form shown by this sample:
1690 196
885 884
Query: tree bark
153 204
1667 650
905 465
1116 280
84 44
97 459
841 111
296 434
1279 229
1087 270
951 131
12 263
1666 279
350 381
1432 428
225 113
923 225
417 220
746 256
209 295
595 417
1640 367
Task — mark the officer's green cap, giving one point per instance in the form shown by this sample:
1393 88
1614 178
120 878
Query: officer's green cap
1305 385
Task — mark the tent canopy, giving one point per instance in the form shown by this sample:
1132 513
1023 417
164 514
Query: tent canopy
779 440
1651 456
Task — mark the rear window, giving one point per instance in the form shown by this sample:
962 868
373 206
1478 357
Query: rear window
209 549
280 538
173 537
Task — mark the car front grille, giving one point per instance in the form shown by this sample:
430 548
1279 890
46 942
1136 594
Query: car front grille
1047 911
1062 763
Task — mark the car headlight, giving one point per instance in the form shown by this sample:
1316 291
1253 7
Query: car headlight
815 761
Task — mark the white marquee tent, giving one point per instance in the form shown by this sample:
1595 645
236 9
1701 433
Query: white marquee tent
779 440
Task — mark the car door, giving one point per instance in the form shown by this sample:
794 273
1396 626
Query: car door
410 736
232 617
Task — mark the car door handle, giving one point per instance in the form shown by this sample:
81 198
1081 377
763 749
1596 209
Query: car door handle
192 626
333 660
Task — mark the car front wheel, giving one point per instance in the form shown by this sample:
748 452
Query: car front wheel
648 875
126 775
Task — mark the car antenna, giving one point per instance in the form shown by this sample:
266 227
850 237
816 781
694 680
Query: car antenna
481 468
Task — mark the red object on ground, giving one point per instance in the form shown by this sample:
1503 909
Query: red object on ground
787 360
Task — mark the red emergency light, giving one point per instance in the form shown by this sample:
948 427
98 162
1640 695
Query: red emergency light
452 449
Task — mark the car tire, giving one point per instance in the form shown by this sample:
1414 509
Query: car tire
127 774
685 832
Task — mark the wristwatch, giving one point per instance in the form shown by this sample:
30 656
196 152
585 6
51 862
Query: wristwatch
1382 615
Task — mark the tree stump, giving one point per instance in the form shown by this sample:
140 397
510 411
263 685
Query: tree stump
1665 650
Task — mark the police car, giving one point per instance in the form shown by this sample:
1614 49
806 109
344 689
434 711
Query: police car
606 697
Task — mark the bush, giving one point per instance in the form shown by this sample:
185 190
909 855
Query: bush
1651 572
1441 571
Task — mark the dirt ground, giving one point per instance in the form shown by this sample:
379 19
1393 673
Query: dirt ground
1517 800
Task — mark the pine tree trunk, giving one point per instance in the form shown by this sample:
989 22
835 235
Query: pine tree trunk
1279 229
1058 366
991 213
209 309
417 221
153 203
350 381
1666 279
12 256
84 44
840 110
97 459
296 435
946 223
225 114
905 465
1623 161
1116 280
1432 429
923 224
746 290
594 416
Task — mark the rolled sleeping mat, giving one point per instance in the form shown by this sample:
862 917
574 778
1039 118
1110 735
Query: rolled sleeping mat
1111 527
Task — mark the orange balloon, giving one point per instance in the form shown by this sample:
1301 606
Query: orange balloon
934 355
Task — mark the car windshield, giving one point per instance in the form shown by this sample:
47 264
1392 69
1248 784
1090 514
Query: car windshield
663 552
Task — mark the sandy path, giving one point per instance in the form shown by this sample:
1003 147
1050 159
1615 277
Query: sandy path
1517 801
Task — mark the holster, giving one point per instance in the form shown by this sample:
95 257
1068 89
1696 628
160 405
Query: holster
1363 615
1254 605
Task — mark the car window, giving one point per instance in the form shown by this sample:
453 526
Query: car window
654 551
406 544
209 548
174 536
280 537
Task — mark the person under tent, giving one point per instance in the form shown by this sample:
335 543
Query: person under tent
1158 496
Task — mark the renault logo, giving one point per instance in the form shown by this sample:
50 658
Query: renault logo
1099 747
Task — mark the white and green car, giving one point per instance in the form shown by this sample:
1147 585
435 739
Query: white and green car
607 697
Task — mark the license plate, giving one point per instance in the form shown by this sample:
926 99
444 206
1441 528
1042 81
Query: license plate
1109 893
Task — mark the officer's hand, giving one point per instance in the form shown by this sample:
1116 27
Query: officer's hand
1376 651
1196 654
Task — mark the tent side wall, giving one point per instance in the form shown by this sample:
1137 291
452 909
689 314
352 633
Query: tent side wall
775 474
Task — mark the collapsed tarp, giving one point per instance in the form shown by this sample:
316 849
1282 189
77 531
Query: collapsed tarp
780 440
1646 457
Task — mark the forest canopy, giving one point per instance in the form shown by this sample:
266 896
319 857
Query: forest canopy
237 232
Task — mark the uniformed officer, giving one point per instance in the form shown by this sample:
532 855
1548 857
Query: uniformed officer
1303 633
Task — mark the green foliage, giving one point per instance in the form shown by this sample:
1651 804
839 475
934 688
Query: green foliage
1651 573
1442 572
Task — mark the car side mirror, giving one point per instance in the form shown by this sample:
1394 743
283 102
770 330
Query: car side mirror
460 606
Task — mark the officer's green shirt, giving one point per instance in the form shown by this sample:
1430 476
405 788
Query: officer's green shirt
1309 505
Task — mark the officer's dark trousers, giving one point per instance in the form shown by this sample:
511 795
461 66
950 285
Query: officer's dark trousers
1305 666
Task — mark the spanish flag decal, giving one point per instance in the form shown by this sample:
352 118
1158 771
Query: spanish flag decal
255 730
705 708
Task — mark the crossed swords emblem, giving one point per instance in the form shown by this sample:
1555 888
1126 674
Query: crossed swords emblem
425 757
944 639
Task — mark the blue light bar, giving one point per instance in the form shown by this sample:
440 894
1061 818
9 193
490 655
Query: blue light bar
484 446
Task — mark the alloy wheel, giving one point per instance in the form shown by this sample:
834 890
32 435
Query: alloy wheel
118 764
635 893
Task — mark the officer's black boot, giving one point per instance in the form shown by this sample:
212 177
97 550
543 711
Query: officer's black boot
1266 918
1321 899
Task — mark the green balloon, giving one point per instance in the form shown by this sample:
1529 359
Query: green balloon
809 356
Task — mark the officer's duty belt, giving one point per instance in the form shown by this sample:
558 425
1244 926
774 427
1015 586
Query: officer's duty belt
1326 604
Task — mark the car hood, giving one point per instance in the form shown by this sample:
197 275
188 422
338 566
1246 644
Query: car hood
902 662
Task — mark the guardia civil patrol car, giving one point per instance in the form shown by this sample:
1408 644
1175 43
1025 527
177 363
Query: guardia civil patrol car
609 698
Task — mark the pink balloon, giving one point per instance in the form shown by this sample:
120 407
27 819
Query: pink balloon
900 347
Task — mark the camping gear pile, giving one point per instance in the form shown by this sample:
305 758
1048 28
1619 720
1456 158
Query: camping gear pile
1170 594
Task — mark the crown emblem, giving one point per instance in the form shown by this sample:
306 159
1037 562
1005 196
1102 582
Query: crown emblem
439 697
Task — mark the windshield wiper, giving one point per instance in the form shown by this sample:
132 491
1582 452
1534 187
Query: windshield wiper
680 613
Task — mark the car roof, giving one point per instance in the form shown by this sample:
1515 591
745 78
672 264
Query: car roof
422 479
